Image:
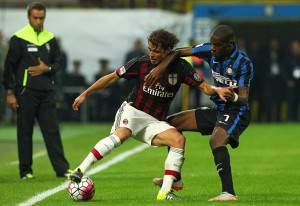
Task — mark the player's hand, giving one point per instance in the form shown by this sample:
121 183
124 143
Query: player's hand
152 77
225 93
11 102
39 69
231 96
78 101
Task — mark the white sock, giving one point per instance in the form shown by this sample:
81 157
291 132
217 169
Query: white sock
87 162
173 166
106 145
101 149
167 183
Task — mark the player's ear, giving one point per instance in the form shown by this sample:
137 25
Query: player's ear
167 51
231 45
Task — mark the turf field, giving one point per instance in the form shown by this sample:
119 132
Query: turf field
266 169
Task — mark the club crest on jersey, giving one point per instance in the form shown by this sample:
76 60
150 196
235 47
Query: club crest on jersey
125 121
229 70
172 78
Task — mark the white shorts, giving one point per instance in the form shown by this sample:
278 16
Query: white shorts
143 126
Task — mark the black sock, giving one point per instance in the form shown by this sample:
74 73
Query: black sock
222 161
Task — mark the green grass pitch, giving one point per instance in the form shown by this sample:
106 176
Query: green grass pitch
266 169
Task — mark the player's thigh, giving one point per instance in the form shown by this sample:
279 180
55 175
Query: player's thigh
135 120
205 120
150 131
184 120
170 137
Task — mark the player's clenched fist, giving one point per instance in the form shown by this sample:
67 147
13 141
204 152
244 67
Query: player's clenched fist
224 93
78 101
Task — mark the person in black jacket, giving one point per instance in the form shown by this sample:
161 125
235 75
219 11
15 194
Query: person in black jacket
32 60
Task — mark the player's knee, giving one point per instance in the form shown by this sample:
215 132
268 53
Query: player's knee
123 133
217 141
179 141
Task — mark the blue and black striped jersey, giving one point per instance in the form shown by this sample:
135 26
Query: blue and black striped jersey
237 70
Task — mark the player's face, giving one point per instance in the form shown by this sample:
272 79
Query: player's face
36 19
156 54
220 49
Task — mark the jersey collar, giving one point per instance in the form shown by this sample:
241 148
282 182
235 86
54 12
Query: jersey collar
27 33
233 55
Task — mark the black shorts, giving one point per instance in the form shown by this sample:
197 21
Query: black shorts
234 122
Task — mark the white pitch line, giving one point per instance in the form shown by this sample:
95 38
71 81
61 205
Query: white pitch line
35 156
43 195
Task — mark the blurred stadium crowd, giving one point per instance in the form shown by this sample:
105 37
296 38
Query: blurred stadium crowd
275 88
180 6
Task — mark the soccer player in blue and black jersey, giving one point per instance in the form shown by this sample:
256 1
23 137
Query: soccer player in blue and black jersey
225 123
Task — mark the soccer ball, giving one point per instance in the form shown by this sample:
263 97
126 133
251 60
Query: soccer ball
81 191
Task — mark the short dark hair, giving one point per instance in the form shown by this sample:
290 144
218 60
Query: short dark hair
35 5
76 62
103 61
224 33
164 39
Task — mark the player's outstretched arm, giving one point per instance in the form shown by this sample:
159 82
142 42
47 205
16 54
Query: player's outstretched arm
224 93
99 84
152 77
184 52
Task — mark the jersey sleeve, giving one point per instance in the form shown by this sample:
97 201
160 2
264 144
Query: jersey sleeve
130 70
203 51
246 75
190 76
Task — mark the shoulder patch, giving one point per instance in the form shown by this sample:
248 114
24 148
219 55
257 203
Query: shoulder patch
196 77
122 70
